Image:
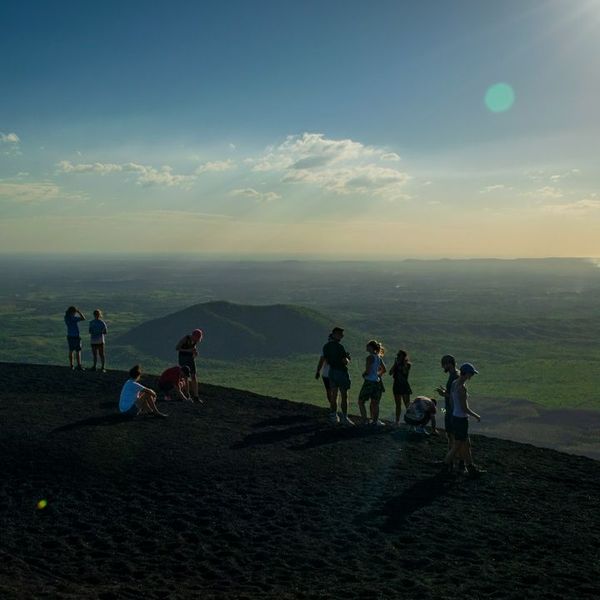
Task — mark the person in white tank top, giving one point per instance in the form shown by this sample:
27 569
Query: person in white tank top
372 387
461 447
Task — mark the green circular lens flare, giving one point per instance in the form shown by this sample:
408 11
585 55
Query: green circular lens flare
499 97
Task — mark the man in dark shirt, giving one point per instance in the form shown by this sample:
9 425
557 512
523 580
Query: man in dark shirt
337 358
449 365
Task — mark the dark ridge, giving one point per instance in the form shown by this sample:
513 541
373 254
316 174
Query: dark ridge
234 331
248 496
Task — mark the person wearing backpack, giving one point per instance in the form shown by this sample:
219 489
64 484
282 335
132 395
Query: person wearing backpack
421 411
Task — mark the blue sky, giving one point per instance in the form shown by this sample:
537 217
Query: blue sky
257 127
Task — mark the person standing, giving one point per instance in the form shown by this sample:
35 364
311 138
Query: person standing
448 363
461 448
187 352
97 329
337 358
401 389
323 373
372 387
72 318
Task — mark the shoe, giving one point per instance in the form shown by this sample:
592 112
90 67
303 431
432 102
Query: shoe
103 370
344 420
333 418
79 368
378 423
196 400
422 430
473 472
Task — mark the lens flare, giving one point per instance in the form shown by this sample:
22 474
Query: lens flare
499 97
42 504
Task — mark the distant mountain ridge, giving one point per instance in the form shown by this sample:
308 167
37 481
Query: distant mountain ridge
234 331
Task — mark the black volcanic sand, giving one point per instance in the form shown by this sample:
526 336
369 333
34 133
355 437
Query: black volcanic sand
255 497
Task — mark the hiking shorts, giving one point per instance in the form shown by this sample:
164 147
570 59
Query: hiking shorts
370 390
460 428
339 379
187 360
74 343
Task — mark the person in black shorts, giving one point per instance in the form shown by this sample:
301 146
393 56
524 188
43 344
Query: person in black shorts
337 358
323 373
401 389
461 448
448 363
186 348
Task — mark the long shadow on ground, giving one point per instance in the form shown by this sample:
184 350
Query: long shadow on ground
104 420
397 510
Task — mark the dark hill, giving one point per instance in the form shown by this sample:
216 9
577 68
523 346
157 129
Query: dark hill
254 497
233 331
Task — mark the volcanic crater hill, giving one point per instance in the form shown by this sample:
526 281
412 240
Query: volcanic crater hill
247 496
234 331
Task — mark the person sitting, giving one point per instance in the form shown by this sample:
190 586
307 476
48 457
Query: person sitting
174 383
419 412
137 399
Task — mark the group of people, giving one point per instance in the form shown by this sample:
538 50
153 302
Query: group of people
97 330
180 383
332 368
175 383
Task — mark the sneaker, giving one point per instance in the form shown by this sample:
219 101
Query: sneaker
378 423
422 430
344 420
196 400
473 472
102 370
333 418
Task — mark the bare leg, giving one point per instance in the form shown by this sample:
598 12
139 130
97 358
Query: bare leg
375 410
146 404
333 396
362 409
398 401
78 355
194 386
102 359
71 358
406 400
94 356
344 402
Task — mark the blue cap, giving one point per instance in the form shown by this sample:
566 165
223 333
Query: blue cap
468 369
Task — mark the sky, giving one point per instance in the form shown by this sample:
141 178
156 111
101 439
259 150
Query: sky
313 128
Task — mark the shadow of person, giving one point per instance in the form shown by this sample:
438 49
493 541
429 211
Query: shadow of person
282 421
333 435
273 436
398 509
112 419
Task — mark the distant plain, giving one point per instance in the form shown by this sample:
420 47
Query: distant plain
530 326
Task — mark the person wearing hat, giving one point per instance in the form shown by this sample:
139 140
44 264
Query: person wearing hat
337 358
186 348
174 383
461 448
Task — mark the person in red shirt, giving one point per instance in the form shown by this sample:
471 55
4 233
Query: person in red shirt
174 383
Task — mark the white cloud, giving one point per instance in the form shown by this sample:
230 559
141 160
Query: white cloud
341 166
9 138
580 207
216 166
256 195
492 188
546 193
146 175
26 193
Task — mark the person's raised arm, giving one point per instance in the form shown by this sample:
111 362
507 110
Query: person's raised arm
81 315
